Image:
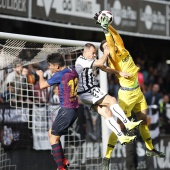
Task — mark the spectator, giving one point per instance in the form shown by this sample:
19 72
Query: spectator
40 96
26 88
48 75
56 94
25 71
164 109
1 100
140 79
152 98
32 70
24 74
7 94
13 76
68 60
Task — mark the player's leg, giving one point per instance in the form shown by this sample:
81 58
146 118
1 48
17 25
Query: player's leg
112 124
118 112
57 150
65 118
110 147
141 112
113 137
145 134
90 99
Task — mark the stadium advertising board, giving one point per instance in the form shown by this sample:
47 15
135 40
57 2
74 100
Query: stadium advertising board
125 14
79 12
80 148
14 132
17 8
132 16
152 18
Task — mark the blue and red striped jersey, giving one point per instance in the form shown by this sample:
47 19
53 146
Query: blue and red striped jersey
67 81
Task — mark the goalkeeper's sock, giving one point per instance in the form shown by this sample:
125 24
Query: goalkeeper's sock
111 144
144 132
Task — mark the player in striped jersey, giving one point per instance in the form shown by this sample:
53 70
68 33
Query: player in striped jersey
130 96
67 80
94 97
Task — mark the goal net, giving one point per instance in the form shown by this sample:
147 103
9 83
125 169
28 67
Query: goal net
20 57
5 162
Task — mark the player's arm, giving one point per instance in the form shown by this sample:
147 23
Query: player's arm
109 38
111 45
110 70
101 61
117 38
42 82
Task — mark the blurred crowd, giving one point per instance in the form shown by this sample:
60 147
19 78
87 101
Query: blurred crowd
21 85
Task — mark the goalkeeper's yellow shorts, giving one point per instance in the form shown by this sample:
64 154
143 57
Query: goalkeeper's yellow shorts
132 100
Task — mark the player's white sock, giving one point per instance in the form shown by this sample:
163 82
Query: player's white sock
114 126
119 113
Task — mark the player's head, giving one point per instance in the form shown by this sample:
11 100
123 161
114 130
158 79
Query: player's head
18 68
89 51
104 45
56 62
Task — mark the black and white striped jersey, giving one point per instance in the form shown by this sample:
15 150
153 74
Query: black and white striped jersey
86 72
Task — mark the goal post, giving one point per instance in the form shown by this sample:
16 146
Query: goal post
105 129
70 43
39 39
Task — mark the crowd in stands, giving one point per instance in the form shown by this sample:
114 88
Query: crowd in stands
21 84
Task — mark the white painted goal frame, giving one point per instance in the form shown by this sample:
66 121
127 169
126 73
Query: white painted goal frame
66 42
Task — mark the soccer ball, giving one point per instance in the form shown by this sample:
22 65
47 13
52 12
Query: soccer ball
104 14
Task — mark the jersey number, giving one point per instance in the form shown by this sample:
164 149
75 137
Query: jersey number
73 86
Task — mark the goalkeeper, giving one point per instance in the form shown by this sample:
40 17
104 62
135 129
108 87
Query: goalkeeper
130 96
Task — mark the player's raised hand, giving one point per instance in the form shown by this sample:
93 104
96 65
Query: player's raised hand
96 17
102 20
106 50
40 73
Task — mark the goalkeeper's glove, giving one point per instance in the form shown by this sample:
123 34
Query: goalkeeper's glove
96 17
104 20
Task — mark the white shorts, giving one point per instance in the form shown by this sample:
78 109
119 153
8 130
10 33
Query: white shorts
92 96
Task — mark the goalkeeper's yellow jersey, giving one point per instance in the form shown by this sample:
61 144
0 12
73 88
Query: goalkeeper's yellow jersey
124 63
